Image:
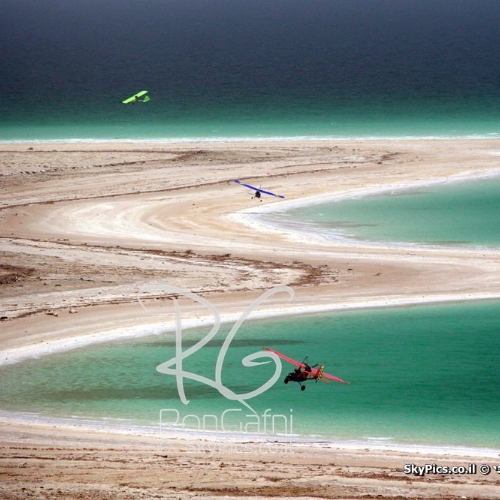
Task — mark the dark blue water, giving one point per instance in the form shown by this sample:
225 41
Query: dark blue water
249 68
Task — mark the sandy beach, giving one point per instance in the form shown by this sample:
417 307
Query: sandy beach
86 226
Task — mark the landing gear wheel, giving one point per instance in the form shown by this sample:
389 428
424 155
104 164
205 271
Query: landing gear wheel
303 388
286 381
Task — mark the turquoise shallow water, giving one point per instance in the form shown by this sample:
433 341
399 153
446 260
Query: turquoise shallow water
459 214
162 119
425 375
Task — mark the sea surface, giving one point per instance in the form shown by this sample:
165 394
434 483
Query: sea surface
225 69
423 375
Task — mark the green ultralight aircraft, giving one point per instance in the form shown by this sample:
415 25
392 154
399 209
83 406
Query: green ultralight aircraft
135 97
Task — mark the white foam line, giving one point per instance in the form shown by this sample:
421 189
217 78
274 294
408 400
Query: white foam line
17 354
307 443
231 139
285 205
255 217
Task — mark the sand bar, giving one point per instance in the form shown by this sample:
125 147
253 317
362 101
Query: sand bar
85 225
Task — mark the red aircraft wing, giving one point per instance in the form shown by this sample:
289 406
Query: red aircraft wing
286 358
315 373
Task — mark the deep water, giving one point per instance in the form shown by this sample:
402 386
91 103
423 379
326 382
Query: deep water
249 69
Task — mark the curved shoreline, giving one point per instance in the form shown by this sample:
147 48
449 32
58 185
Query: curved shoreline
44 348
256 219
193 435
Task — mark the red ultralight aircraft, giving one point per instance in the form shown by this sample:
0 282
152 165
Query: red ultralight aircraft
304 372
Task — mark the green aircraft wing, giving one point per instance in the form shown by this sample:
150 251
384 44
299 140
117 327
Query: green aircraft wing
136 97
